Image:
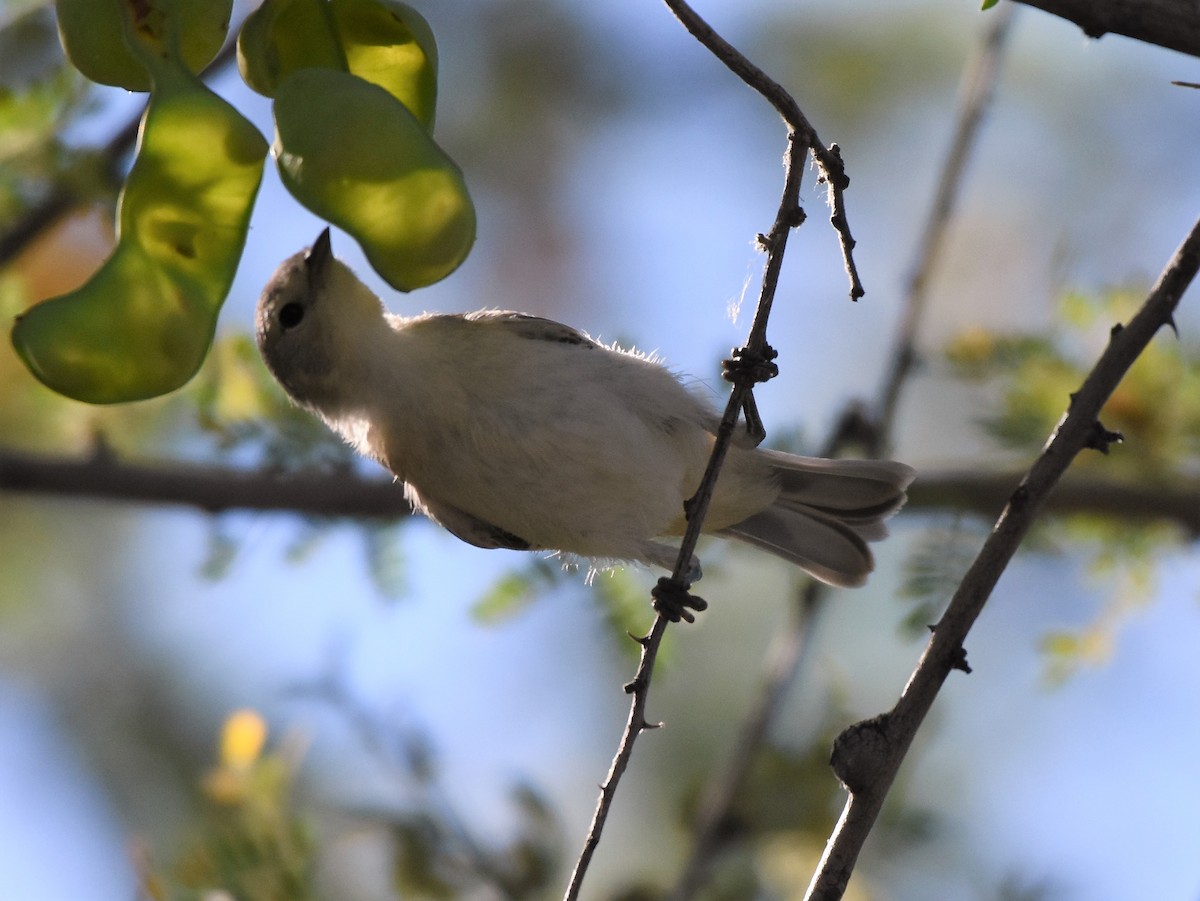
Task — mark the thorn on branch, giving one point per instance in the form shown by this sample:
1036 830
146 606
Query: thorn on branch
834 170
959 660
1100 438
958 657
673 600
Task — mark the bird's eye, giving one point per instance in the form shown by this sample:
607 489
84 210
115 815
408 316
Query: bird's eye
290 314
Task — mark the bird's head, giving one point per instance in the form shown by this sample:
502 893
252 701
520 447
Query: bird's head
310 321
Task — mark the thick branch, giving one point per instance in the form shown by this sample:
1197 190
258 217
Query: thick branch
868 755
1174 24
216 489
213 489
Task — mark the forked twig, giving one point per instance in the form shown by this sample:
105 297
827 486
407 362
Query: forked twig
750 364
784 658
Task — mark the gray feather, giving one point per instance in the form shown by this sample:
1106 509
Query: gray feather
826 513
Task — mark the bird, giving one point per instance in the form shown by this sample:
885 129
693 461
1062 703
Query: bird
515 431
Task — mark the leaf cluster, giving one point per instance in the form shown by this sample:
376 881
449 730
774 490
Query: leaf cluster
1156 408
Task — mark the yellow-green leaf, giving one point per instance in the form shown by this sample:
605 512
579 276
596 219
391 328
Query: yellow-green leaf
141 326
391 187
390 44
283 36
104 39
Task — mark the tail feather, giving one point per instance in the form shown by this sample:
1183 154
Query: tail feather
819 544
826 513
874 487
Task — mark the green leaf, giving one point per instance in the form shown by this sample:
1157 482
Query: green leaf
988 4
284 36
392 188
513 592
106 39
384 42
141 326
390 44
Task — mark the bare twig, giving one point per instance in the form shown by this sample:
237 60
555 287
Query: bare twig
829 159
212 489
751 364
785 656
784 660
868 754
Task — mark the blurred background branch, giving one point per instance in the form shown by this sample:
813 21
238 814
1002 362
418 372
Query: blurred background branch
216 489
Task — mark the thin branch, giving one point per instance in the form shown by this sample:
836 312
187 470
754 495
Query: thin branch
975 96
213 489
829 159
750 364
638 690
785 656
868 755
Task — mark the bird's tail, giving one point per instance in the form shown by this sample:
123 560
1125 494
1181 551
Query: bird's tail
826 513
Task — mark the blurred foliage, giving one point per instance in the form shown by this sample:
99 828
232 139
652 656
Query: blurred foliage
39 95
1156 408
935 564
248 842
251 841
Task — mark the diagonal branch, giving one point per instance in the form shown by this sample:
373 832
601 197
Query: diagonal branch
785 657
829 159
867 756
750 364
976 91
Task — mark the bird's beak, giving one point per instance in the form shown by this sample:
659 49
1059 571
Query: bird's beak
319 254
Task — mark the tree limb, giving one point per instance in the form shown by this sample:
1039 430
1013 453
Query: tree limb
1174 24
217 489
867 756
213 489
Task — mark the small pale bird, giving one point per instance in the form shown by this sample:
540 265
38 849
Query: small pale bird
514 431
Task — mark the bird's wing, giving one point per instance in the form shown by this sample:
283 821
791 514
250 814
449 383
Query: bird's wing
471 529
533 327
